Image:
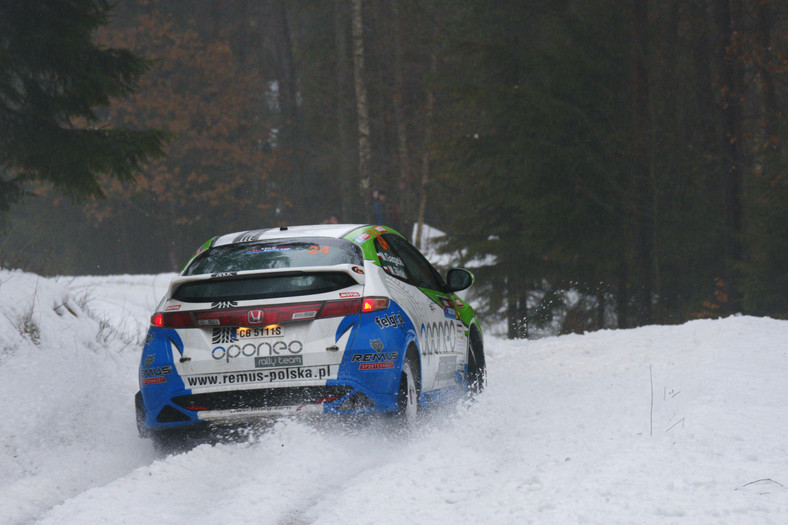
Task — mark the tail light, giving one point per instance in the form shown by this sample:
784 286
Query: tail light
172 320
267 315
374 304
340 308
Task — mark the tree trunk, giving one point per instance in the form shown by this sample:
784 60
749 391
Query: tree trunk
771 110
641 173
348 213
289 135
403 156
362 108
425 159
728 17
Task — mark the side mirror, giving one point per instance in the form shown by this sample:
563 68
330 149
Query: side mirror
459 279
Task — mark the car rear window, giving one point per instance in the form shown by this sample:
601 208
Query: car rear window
283 253
247 288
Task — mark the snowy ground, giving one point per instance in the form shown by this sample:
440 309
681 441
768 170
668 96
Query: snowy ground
681 424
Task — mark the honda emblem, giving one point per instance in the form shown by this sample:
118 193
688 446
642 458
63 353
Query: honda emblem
255 316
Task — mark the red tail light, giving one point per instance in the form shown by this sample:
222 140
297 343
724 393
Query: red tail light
172 320
340 308
374 304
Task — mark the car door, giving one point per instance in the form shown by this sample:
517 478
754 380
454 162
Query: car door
419 289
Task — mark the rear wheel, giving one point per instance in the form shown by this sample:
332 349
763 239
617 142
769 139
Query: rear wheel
140 410
477 367
408 393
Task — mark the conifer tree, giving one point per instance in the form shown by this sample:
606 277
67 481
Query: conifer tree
53 81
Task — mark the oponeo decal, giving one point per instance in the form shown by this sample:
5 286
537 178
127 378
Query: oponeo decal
438 338
256 350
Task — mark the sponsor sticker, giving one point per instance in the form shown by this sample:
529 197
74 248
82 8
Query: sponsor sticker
172 308
389 320
378 357
437 338
266 249
278 360
261 376
153 375
376 366
250 349
345 295
449 308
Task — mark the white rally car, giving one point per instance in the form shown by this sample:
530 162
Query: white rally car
338 319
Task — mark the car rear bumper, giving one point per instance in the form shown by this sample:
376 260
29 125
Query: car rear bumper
240 406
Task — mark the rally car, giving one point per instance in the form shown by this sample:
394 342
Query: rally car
330 319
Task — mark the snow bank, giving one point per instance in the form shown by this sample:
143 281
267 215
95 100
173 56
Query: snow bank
679 424
67 378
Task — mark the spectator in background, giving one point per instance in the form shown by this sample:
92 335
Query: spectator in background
379 205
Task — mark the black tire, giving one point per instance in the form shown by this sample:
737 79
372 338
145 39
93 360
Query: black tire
477 367
139 408
408 392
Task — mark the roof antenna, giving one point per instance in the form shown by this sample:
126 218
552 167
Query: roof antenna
282 228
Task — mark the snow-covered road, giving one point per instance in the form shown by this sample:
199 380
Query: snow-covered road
680 424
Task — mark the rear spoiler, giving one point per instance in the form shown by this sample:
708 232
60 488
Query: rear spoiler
353 270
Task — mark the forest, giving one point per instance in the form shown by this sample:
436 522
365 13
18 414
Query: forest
596 163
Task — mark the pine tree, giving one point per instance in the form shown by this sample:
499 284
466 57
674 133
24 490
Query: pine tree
53 81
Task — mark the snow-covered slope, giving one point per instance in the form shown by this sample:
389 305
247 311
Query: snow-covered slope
681 424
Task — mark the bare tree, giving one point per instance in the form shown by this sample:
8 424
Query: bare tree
425 159
362 106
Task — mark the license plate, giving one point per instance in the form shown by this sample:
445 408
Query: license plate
261 331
